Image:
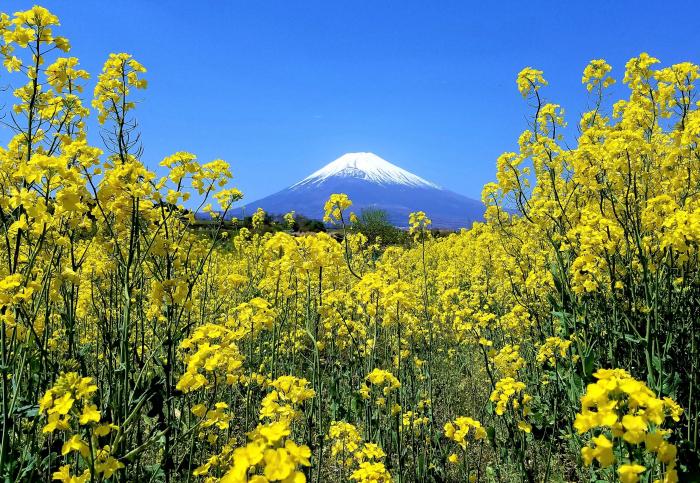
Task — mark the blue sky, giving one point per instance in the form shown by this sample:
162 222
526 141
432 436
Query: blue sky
279 88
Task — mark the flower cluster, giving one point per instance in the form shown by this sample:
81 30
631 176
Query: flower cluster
69 399
212 355
508 390
120 73
68 402
461 428
258 219
554 348
379 378
270 454
282 403
418 223
530 81
345 440
596 75
508 360
334 207
619 408
364 459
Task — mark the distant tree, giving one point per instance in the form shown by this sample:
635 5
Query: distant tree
270 223
304 224
375 225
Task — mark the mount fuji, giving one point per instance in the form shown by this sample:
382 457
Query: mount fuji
372 182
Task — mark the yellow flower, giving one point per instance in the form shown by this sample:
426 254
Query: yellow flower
334 207
603 451
75 443
530 80
199 410
90 414
63 404
273 432
371 473
372 451
109 467
85 388
629 473
63 474
525 427
105 429
418 222
596 74
46 401
56 422
278 464
300 454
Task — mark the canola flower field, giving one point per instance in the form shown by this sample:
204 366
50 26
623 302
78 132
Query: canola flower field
559 340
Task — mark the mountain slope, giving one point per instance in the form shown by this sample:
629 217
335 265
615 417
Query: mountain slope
372 182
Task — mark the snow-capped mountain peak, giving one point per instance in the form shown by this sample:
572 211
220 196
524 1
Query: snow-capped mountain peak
371 183
367 166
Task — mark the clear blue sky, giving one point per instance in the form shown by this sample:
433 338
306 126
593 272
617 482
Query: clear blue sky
280 88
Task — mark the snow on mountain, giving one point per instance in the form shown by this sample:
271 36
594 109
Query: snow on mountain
366 166
371 182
